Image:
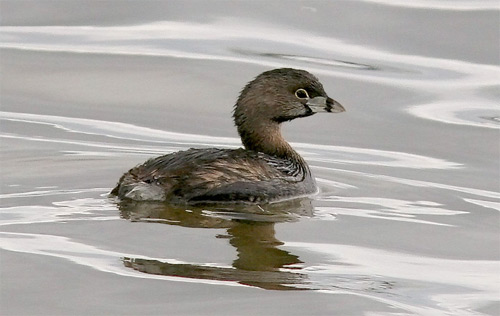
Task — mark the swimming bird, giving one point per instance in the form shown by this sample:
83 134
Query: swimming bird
266 170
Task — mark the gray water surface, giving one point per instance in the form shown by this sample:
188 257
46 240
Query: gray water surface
407 220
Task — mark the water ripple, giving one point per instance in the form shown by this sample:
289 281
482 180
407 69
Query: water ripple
467 276
460 5
89 209
320 54
387 275
86 255
130 40
387 209
171 141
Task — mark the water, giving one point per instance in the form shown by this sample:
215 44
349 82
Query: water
407 219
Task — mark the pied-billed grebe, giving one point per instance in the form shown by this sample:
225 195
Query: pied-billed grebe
267 170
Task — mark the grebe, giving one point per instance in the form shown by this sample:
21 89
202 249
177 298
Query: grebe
266 170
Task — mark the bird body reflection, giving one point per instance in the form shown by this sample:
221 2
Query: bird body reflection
260 262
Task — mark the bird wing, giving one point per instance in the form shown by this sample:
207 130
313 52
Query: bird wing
217 174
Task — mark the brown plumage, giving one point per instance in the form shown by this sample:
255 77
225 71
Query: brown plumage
267 170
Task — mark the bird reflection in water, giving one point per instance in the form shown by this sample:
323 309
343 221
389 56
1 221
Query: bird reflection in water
250 229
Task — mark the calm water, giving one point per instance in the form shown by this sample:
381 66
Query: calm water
407 221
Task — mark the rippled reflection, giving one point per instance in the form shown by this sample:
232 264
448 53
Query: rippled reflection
250 230
150 140
310 59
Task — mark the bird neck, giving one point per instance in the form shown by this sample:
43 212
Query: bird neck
266 137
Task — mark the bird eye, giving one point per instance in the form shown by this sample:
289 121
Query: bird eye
301 94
